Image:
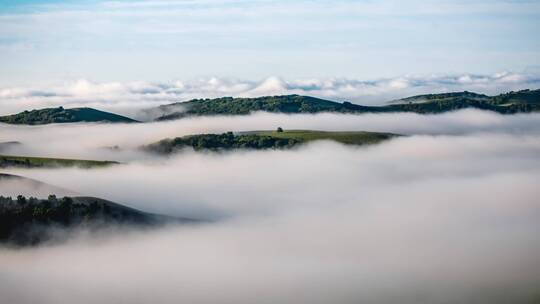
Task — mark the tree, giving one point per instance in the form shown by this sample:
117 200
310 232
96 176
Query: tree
279 130
21 200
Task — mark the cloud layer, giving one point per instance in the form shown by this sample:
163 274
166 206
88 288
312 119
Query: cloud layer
419 219
129 98
96 141
447 214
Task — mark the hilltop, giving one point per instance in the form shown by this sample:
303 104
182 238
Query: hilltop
26 221
509 103
263 140
30 221
61 115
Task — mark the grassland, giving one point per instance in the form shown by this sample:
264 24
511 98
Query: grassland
347 137
261 140
46 162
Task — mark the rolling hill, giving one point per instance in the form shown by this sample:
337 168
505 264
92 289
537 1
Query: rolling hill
262 140
47 162
61 115
509 103
30 221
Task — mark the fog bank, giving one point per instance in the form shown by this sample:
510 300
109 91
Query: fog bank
448 214
98 141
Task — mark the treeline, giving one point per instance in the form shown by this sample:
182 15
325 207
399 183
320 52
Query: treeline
243 106
225 141
25 221
452 104
513 102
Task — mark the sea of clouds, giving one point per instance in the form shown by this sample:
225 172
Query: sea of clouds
448 213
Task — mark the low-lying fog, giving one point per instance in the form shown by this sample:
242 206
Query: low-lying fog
100 141
449 214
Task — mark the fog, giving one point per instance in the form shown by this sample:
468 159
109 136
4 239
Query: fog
449 213
13 185
97 140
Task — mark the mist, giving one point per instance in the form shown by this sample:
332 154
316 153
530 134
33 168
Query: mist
448 213
139 99
100 141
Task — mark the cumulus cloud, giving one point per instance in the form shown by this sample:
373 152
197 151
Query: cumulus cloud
130 98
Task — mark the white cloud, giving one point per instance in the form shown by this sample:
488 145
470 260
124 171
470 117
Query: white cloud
128 98
89 141
430 219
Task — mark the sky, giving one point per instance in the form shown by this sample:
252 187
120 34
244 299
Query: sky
44 42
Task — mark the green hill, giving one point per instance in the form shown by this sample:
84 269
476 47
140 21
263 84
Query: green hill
524 97
509 103
524 101
262 140
344 137
243 106
61 115
41 162
30 221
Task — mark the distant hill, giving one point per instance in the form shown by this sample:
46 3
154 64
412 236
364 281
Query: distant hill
30 221
262 140
444 96
513 102
61 115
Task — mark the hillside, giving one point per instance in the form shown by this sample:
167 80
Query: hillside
61 115
262 140
26 221
344 137
47 162
509 103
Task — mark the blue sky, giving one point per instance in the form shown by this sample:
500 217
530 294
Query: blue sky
47 41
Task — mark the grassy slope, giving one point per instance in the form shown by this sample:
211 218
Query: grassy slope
36 162
348 137
61 115
261 140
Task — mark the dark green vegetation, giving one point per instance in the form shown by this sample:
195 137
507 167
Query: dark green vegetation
40 162
513 102
261 140
61 115
29 221
225 141
243 106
